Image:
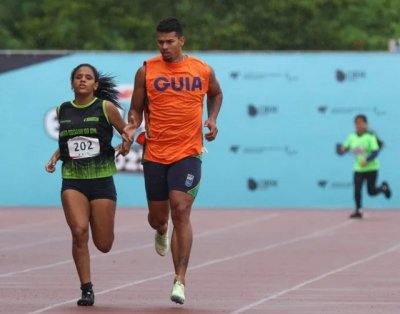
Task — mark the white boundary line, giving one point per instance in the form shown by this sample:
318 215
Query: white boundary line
314 234
144 246
33 244
29 225
318 278
53 240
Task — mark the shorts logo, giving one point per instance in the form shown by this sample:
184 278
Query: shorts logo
189 180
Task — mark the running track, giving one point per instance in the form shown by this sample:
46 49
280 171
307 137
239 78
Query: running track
243 261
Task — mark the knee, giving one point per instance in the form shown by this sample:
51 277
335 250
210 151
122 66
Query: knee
80 235
157 222
180 213
104 246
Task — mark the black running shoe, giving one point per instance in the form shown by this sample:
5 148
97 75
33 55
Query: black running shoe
87 298
386 189
356 215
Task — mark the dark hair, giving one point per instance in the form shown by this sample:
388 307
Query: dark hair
107 88
363 117
170 24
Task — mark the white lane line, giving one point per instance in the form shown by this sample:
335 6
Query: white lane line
29 225
238 225
127 285
33 244
315 279
314 234
141 247
53 240
68 261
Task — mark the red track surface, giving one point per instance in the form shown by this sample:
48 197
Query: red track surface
243 261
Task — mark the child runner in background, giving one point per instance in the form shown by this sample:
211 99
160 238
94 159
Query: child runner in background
365 148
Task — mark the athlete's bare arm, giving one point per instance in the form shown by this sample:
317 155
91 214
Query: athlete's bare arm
214 102
51 164
137 104
115 119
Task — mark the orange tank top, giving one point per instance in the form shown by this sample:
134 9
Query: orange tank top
174 112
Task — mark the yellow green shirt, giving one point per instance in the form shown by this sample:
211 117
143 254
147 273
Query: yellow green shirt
362 146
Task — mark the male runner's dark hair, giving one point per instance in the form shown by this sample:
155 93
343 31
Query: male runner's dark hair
170 24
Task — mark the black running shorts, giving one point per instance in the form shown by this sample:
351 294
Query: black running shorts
93 189
183 175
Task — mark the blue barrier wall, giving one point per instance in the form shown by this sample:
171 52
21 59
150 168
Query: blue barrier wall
282 116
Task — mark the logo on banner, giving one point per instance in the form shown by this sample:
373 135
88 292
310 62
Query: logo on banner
322 183
256 75
234 75
51 125
350 76
261 110
234 148
326 184
254 185
322 109
325 109
287 149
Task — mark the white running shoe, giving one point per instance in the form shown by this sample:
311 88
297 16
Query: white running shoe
162 243
178 292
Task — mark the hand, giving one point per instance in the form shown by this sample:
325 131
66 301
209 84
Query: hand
129 131
340 149
364 163
51 165
212 126
123 148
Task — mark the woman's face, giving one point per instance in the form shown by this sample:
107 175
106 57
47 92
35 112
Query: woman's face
361 125
83 81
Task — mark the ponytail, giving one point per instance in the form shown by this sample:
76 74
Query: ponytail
107 89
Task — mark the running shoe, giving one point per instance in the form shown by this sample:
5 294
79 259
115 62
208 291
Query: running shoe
386 189
356 215
87 298
178 292
161 243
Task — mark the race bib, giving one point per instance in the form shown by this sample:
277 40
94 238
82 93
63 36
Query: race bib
83 147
